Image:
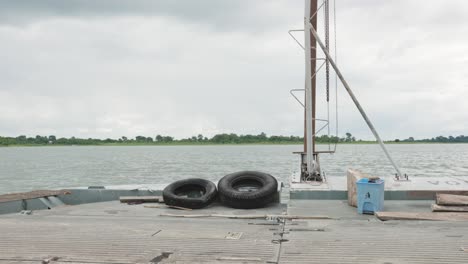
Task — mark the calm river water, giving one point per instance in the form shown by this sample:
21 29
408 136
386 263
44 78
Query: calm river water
27 168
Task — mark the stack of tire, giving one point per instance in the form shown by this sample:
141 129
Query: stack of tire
243 190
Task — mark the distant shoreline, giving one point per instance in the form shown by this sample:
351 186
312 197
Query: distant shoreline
218 139
219 144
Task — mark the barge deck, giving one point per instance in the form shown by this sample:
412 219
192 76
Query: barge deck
113 232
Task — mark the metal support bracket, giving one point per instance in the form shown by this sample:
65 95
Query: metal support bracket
295 39
303 105
401 178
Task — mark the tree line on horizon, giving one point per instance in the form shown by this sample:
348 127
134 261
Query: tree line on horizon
224 138
439 139
158 139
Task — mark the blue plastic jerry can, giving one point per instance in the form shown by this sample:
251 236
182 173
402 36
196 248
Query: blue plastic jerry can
370 195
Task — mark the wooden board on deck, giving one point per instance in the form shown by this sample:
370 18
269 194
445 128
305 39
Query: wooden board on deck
384 216
451 199
449 208
141 199
31 195
352 177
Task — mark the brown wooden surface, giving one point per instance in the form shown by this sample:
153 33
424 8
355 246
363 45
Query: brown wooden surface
168 206
30 195
141 199
352 177
449 208
384 216
451 199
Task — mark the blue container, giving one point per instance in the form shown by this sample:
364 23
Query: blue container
370 195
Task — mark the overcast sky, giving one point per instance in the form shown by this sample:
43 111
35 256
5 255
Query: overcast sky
113 68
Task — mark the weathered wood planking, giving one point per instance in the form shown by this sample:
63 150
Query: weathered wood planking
31 195
384 216
352 177
168 206
141 199
451 199
449 208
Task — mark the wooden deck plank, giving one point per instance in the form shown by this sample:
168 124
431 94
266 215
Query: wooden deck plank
384 216
141 199
451 199
31 195
449 208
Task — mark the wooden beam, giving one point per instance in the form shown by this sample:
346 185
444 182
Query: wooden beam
451 199
141 199
384 216
449 208
31 195
167 206
352 177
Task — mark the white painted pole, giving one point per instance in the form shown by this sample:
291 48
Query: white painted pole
308 89
353 97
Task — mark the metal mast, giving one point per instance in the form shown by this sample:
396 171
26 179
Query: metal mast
311 37
310 48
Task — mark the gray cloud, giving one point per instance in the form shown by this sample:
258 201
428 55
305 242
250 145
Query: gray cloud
113 68
219 15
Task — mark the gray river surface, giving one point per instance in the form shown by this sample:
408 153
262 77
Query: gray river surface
28 168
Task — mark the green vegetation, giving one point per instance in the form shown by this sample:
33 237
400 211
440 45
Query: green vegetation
157 140
439 139
261 138
232 138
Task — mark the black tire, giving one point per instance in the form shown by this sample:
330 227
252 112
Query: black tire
231 196
172 193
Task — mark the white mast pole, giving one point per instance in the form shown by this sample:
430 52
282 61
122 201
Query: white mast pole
308 89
